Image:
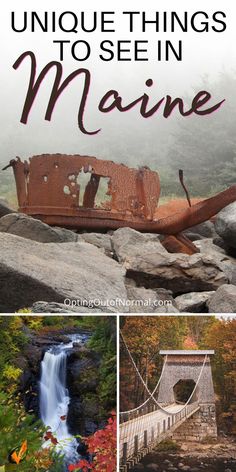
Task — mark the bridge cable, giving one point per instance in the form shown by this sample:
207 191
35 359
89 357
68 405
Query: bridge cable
152 393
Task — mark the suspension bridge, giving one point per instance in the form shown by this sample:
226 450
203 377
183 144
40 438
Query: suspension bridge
160 415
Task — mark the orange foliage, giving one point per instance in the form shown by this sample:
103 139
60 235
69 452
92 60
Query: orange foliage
189 343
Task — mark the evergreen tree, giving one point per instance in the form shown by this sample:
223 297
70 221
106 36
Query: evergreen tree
205 146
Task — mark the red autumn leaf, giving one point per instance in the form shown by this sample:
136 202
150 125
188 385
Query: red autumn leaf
48 435
54 441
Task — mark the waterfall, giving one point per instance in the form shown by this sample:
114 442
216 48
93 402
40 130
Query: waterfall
54 397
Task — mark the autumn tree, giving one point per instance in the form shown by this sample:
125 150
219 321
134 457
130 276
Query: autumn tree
145 336
221 336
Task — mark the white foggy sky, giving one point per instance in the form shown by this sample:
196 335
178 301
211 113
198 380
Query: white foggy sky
203 54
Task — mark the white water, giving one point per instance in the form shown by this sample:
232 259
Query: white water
54 397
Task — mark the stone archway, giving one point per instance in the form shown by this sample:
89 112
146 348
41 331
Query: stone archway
183 390
183 367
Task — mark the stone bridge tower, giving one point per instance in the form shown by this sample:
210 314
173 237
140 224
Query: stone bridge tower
187 366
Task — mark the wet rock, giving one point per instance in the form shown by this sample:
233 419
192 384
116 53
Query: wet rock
225 224
90 406
30 228
34 355
82 353
151 266
223 300
82 382
144 300
90 427
32 271
193 302
28 382
82 448
75 418
82 376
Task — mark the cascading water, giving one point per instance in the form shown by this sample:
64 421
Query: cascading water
54 397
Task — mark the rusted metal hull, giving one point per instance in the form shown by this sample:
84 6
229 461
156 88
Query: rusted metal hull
50 187
174 224
53 183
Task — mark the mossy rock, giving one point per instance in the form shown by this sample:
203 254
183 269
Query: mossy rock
168 445
91 406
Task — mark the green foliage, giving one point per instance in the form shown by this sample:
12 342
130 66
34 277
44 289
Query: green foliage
24 310
11 373
12 341
55 321
104 342
15 428
35 324
221 336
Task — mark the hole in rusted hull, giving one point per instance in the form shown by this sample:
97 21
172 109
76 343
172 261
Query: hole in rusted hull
66 190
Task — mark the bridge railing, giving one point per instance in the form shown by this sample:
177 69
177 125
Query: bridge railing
124 417
142 431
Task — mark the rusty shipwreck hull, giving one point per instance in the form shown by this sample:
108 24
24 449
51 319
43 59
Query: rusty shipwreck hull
50 187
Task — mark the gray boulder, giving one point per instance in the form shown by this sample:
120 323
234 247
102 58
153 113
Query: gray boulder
147 262
32 271
142 300
203 230
225 224
228 262
52 307
123 237
223 300
99 240
193 302
207 246
30 228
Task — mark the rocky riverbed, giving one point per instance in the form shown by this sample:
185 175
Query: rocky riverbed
193 457
49 269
